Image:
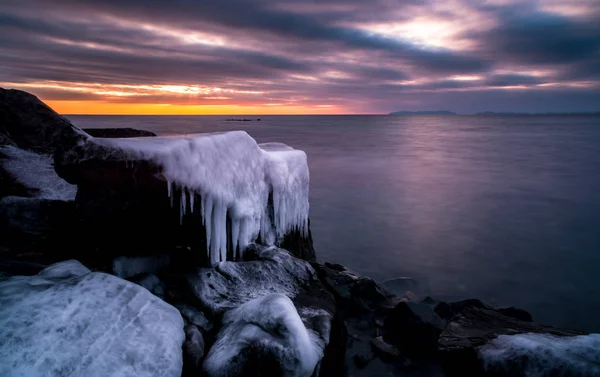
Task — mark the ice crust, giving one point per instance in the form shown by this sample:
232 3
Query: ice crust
234 177
272 327
68 321
36 171
535 355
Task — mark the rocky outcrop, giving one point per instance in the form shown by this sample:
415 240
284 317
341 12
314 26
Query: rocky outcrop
461 342
413 327
69 321
117 132
30 124
258 287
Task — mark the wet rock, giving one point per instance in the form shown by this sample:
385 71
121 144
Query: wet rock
69 321
460 343
517 313
152 283
126 267
401 285
413 327
118 132
195 317
384 350
449 310
361 360
193 350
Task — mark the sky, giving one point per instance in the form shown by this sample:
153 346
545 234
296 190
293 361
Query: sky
302 56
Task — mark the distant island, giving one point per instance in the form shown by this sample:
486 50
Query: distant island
433 112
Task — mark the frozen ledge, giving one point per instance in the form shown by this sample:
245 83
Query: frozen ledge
234 177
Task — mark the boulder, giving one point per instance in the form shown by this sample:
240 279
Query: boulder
401 285
117 132
355 294
270 276
264 336
152 283
476 336
28 123
413 327
69 321
385 350
195 316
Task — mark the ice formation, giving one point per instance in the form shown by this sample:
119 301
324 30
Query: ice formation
264 329
68 321
543 355
234 177
36 171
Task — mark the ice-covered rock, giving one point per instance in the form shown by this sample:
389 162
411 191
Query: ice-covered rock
36 173
264 337
242 191
535 355
474 344
274 272
68 321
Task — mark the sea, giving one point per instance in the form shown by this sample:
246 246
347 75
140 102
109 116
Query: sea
504 208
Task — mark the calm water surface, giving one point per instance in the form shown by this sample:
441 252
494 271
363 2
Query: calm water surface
503 208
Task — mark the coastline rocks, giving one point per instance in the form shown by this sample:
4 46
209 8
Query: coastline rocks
401 285
449 310
69 321
264 337
193 350
30 124
413 327
117 132
355 294
461 343
270 276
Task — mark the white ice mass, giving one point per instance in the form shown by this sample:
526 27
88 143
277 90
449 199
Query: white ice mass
272 328
36 171
234 177
68 321
540 355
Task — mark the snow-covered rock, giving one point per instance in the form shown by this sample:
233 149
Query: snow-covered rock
35 172
269 276
481 341
68 321
242 191
264 336
533 355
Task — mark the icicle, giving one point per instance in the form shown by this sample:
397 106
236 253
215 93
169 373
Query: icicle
235 238
207 220
192 195
169 188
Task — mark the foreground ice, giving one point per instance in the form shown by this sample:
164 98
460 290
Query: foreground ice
36 171
543 355
234 177
68 321
268 330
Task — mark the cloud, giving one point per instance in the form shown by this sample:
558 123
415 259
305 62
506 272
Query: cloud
298 51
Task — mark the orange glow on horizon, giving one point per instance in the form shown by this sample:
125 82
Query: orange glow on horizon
108 108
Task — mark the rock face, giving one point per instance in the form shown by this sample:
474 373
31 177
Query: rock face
117 132
270 277
413 327
69 321
473 328
30 124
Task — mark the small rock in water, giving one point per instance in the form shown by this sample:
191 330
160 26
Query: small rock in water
401 285
386 351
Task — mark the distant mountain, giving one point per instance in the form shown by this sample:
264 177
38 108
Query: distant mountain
434 112
549 113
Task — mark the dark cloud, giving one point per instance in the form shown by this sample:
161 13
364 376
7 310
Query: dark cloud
298 51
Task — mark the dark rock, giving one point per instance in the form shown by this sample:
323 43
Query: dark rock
118 132
475 327
31 124
355 294
152 283
361 360
193 351
41 228
299 245
413 327
126 267
448 310
517 313
195 317
430 301
384 350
